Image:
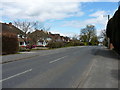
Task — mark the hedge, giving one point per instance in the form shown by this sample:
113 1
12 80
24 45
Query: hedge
64 44
9 43
55 44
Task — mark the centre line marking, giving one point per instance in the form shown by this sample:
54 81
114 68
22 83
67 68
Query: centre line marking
16 75
57 59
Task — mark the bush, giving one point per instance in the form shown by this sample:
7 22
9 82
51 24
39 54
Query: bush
55 44
64 44
9 43
22 48
74 43
86 43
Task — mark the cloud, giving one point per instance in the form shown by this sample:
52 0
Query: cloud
95 18
69 34
83 0
61 0
42 10
39 9
99 32
98 14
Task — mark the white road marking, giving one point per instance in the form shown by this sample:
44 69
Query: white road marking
57 59
16 75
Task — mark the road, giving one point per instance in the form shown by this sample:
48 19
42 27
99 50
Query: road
72 68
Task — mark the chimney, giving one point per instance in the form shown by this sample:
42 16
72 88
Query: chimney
50 33
10 24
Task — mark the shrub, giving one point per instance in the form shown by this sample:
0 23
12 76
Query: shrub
74 43
55 44
26 48
85 43
64 44
9 43
22 48
39 46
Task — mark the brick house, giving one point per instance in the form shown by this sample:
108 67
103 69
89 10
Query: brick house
10 28
38 37
113 31
57 37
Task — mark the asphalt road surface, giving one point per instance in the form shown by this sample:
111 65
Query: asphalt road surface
67 69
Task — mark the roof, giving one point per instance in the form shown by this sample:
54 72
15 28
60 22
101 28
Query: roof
22 40
10 28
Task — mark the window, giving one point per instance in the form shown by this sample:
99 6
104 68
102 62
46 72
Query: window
21 43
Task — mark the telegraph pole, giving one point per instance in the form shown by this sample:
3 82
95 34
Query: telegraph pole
108 39
108 17
118 4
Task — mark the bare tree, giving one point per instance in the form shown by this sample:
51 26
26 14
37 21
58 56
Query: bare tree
41 26
75 37
26 27
103 36
38 26
40 33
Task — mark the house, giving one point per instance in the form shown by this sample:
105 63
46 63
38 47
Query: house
54 37
66 39
113 31
42 38
23 41
39 38
58 38
10 28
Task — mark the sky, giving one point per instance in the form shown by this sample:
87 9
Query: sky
64 17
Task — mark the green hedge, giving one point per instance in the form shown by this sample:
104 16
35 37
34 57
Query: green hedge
64 44
23 49
9 43
55 44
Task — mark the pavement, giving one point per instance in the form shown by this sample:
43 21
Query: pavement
72 67
25 55
104 70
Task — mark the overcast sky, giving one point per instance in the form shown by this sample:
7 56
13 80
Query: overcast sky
65 17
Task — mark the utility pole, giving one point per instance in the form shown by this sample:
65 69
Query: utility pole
108 16
108 39
118 4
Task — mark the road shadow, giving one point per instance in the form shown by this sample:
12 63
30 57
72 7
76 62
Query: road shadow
115 74
104 52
